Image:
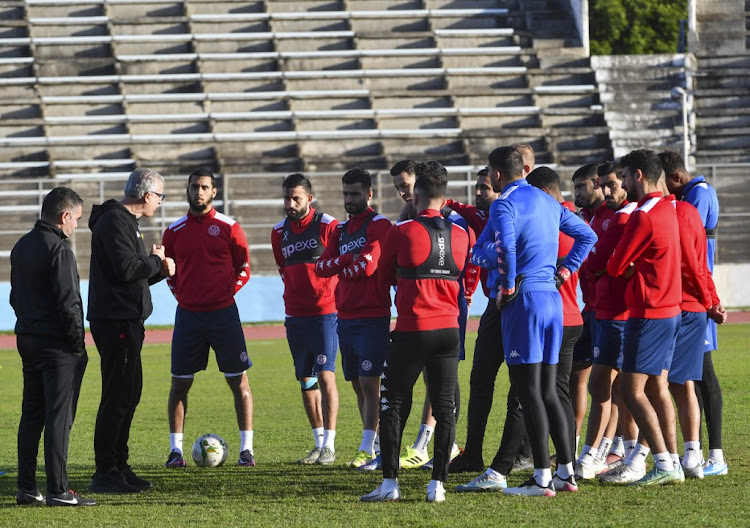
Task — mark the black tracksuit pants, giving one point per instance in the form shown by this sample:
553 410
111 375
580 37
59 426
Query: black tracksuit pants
408 354
52 378
119 344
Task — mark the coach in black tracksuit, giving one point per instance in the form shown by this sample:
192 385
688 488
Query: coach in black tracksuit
119 302
46 297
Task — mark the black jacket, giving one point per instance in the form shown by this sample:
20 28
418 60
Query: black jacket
121 270
45 291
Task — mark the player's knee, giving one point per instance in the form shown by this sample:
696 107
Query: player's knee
310 385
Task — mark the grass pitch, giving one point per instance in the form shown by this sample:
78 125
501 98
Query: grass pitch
280 493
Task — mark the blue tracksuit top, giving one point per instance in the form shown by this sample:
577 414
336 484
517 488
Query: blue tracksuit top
525 222
702 196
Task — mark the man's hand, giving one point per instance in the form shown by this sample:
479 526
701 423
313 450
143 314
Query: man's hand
561 276
168 267
718 314
158 251
504 297
629 272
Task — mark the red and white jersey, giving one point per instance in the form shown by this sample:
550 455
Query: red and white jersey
609 297
598 222
569 288
651 241
698 290
358 293
297 246
212 260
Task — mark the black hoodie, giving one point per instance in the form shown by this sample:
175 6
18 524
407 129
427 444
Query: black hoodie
121 270
45 292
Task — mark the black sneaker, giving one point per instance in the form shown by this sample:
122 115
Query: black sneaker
464 464
26 497
134 480
69 498
522 464
110 482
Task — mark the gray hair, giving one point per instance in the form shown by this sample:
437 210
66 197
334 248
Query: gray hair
140 182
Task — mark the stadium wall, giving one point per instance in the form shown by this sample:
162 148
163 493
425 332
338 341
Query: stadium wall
730 279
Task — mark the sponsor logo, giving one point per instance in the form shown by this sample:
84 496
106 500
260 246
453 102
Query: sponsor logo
213 230
596 352
352 246
290 249
441 251
243 357
322 359
366 365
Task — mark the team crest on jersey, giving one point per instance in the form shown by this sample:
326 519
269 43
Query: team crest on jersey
596 351
321 359
243 356
366 365
213 230
605 224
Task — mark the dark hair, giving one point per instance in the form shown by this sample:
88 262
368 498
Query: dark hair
544 178
430 168
431 186
507 160
645 160
608 167
358 175
587 172
57 201
484 172
672 162
297 180
201 173
406 166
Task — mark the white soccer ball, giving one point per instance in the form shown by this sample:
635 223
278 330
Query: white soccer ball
210 450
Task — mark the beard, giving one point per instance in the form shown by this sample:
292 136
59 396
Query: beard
296 216
199 207
355 208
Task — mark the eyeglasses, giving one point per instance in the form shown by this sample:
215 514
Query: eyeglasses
162 197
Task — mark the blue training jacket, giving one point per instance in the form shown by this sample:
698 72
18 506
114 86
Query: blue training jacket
525 222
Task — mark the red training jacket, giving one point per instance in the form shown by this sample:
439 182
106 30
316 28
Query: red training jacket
358 293
600 218
609 299
476 220
652 242
212 258
305 294
698 290
568 290
422 304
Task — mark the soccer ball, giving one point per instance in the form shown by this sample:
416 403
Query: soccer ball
210 450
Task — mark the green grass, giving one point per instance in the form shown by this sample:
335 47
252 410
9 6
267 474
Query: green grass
280 493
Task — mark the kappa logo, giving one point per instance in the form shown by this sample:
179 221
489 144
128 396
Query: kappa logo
514 354
384 408
213 230
285 237
596 351
243 357
322 359
366 365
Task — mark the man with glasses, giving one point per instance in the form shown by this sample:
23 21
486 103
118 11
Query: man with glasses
120 274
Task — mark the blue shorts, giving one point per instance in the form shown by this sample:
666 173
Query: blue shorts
532 328
711 339
609 339
463 315
195 332
364 343
313 342
649 345
687 363
583 350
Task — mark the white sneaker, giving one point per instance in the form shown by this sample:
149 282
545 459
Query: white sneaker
383 495
531 489
694 472
622 474
561 484
584 471
435 492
